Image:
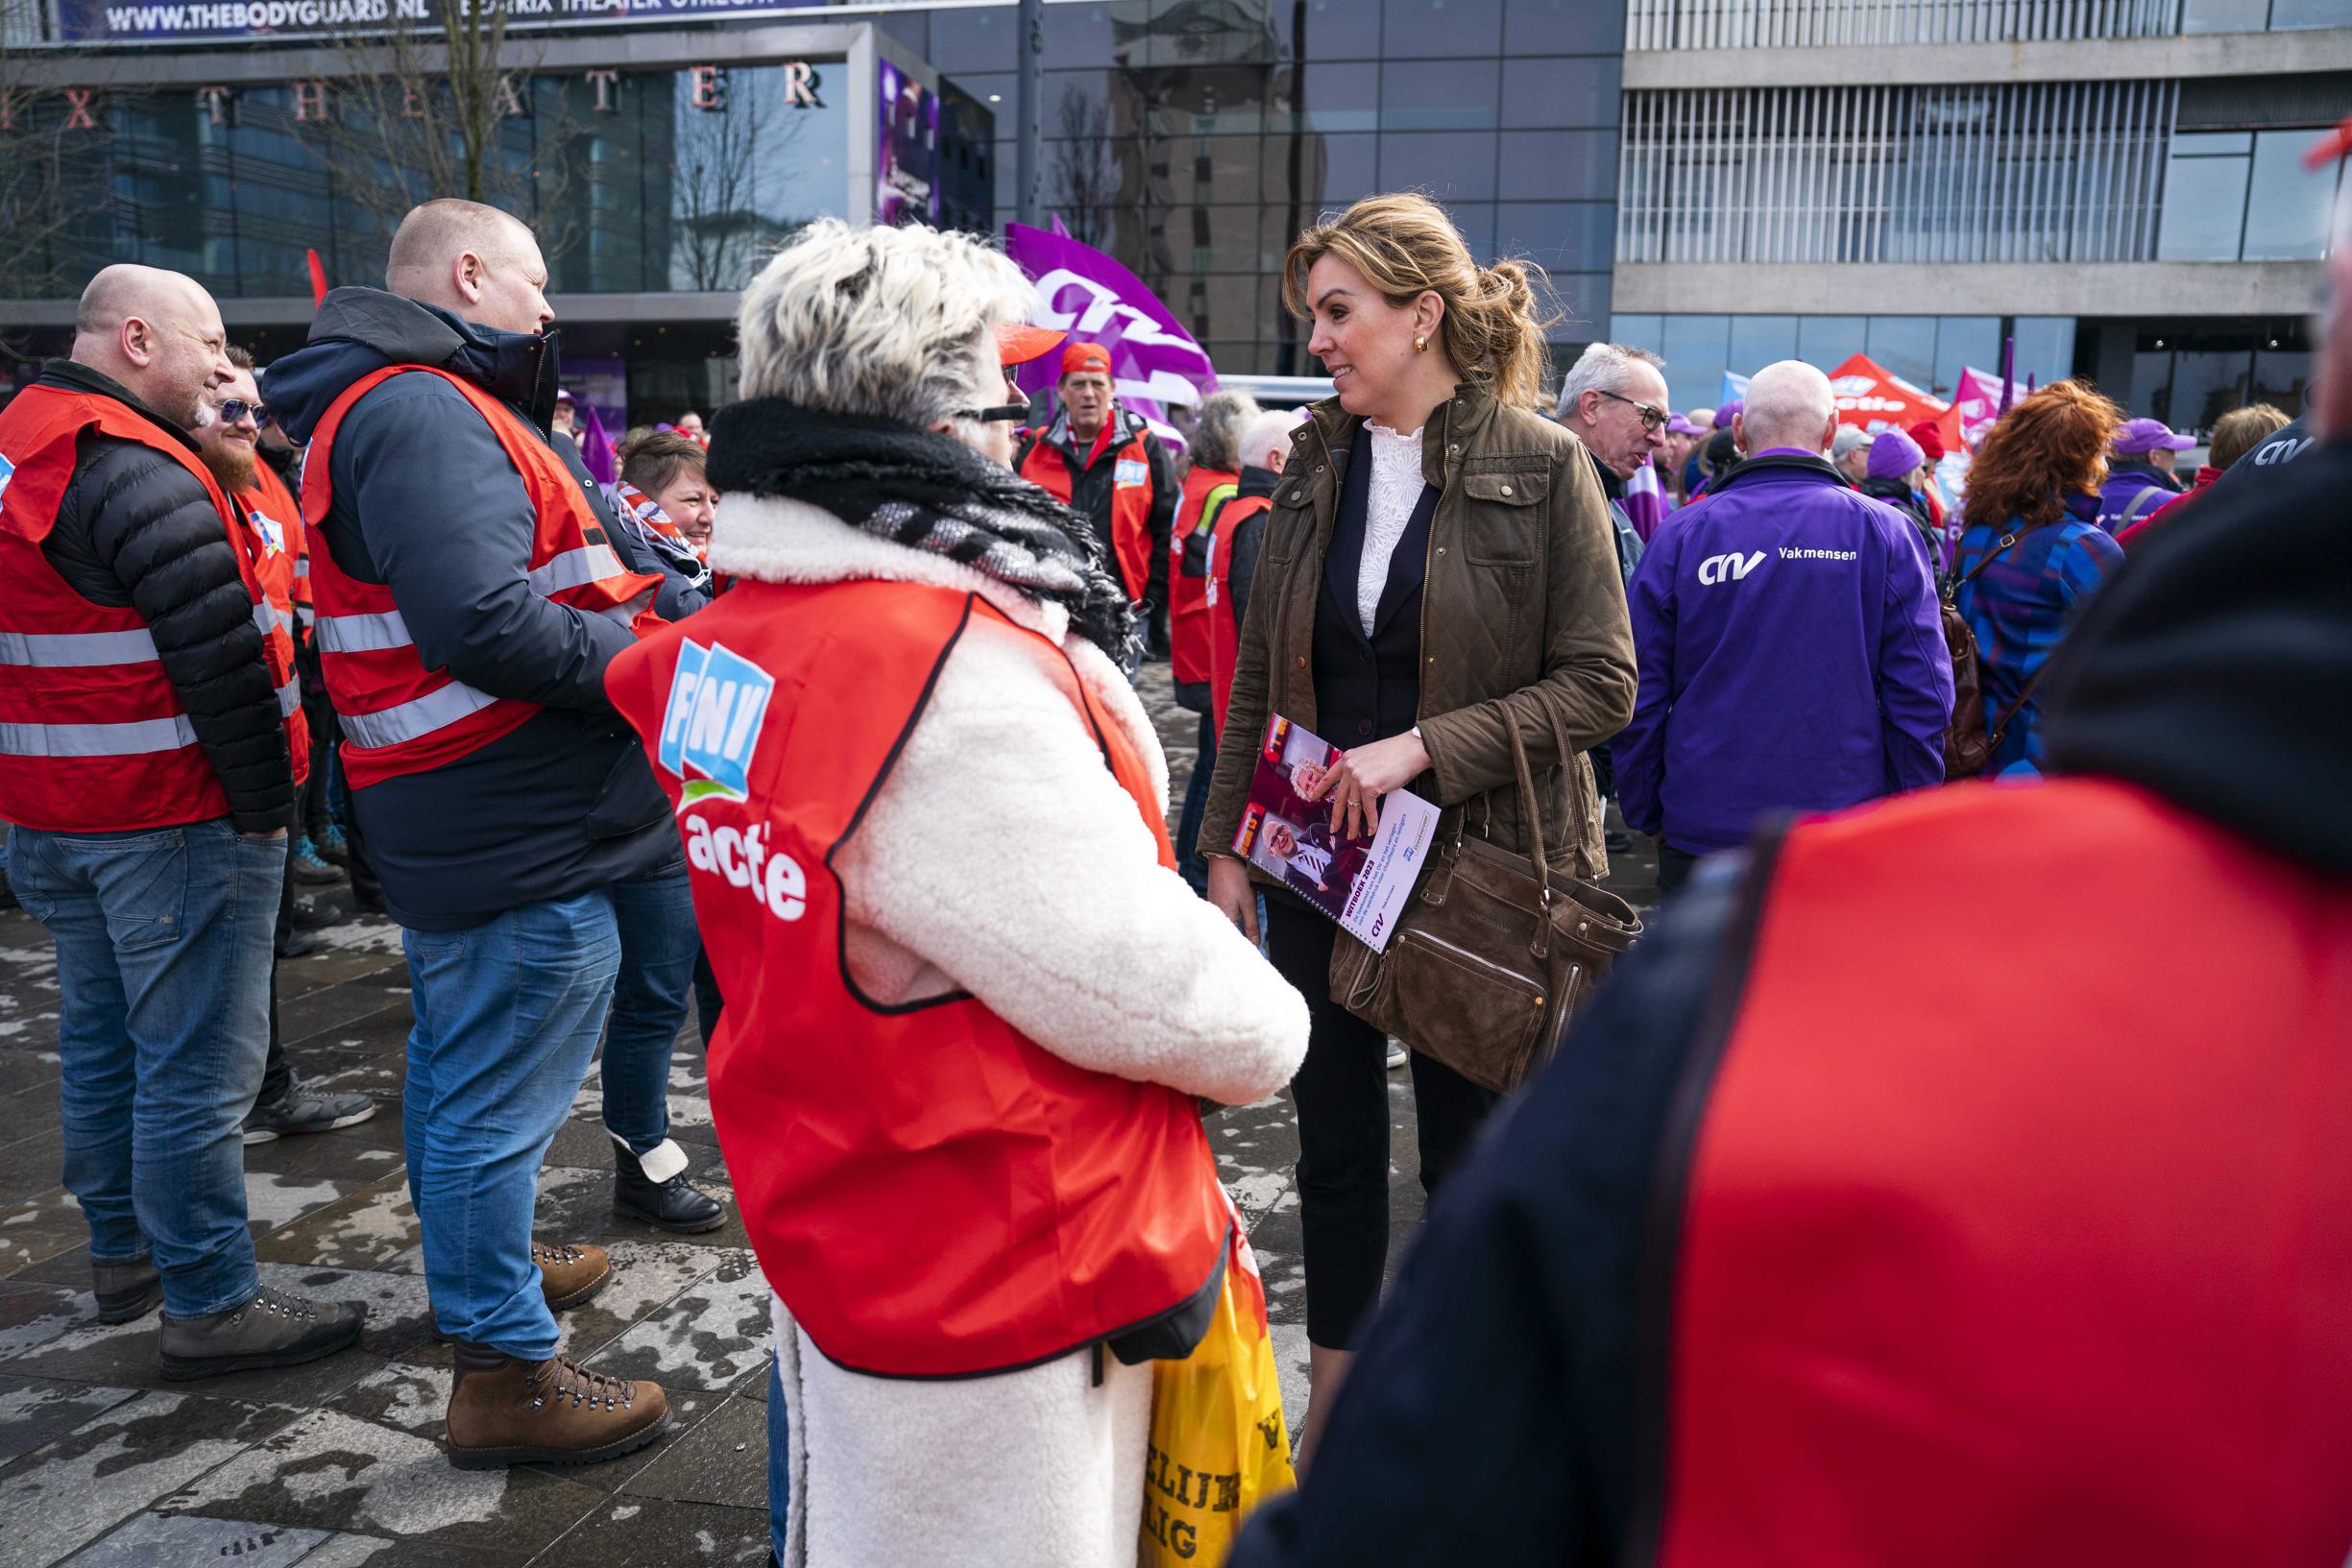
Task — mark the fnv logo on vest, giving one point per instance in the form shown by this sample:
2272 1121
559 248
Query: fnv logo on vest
1720 568
712 722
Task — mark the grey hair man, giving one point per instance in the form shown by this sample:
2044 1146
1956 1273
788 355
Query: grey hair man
150 785
1849 452
470 590
1615 399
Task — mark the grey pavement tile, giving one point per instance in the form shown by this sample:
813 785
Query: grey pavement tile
688 1410
383 1078
31 1315
723 1460
358 1009
711 1336
40 1226
70 1267
32 1165
152 1539
35 1411
381 1551
25 1066
371 1228
333 965
371 1036
645 1276
357 1154
632 1531
371 1461
60 1497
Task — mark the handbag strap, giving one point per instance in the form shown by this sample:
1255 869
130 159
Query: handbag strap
1528 806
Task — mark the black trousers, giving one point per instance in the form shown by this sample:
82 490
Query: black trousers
1674 869
1341 1097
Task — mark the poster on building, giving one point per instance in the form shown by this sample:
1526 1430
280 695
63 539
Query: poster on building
156 21
906 151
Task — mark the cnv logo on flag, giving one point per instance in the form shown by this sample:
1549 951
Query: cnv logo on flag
712 723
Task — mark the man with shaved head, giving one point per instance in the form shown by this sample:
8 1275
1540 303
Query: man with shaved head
1791 653
146 763
470 590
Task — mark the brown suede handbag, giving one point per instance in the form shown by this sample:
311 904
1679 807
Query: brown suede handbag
1494 953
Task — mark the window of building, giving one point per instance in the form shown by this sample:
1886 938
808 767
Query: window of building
2286 14
2287 205
1563 26
1450 165
1560 90
1905 345
1438 95
1429 29
2204 196
1558 165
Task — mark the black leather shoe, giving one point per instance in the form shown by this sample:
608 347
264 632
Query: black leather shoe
126 1292
672 1203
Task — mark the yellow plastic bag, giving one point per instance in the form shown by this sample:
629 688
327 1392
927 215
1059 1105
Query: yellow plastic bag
1218 1442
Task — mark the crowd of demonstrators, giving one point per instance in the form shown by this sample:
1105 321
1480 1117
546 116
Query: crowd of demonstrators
1212 474
520 843
1439 566
1104 463
149 776
945 645
2235 434
1788 641
2031 551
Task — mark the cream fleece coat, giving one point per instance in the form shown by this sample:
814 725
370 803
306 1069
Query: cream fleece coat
1001 857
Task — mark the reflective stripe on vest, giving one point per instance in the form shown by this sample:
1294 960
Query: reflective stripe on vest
135 738
76 650
399 715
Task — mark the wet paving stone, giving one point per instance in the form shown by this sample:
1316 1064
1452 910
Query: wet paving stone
35 1411
646 1276
373 1228
153 1538
712 1336
23 1068
575 1204
31 1166
61 1495
633 1532
40 1226
723 1460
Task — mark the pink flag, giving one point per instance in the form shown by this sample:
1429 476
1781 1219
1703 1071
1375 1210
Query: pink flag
1154 360
1979 402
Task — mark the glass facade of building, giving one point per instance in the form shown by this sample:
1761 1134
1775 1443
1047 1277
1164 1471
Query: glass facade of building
1194 140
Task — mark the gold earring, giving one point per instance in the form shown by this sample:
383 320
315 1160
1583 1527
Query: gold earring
1421 345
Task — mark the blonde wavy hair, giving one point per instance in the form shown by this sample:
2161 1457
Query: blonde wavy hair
1404 244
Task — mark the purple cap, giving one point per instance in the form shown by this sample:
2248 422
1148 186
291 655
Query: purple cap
1723 415
1893 455
2145 436
1676 425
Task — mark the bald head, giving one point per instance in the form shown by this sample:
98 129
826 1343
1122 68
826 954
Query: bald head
1788 404
472 260
159 334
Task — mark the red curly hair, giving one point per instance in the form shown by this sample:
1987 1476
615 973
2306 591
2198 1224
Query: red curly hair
2047 447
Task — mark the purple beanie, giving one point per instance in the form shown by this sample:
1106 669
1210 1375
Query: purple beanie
1894 455
1723 415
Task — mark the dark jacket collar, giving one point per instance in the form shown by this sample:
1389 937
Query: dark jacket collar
1793 463
75 376
360 330
1258 481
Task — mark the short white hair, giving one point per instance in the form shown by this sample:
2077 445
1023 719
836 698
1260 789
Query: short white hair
894 324
1602 367
1788 404
1847 439
1270 433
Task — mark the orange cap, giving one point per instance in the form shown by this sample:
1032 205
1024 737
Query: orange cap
1085 356
1018 343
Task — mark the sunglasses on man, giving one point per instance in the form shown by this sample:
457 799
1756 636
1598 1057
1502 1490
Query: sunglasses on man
235 409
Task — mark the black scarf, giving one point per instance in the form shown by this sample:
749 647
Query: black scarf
928 493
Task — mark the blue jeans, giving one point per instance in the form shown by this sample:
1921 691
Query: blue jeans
163 972
658 947
779 1458
506 1020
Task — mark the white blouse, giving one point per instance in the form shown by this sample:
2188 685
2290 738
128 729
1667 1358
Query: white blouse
1396 489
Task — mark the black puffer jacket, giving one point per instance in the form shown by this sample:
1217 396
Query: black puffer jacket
135 529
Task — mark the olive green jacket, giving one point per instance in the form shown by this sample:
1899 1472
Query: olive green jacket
1523 620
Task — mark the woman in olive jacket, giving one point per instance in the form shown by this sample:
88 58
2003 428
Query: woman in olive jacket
1438 564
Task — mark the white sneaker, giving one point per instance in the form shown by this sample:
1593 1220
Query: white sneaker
1397 1055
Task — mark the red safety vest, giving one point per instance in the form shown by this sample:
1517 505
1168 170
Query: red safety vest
1131 492
92 735
276 533
1188 638
398 716
931 1194
1224 630
2012 1245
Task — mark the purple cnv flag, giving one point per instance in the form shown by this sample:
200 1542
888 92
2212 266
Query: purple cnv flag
1154 361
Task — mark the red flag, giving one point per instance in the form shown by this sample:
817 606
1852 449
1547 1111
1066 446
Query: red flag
317 278
1874 399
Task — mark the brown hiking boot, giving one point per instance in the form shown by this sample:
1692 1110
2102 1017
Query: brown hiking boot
506 1412
569 1276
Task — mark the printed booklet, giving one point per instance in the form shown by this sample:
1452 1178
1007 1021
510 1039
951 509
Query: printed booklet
1362 885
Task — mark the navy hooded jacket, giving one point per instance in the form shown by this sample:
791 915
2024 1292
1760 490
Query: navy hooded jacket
427 503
